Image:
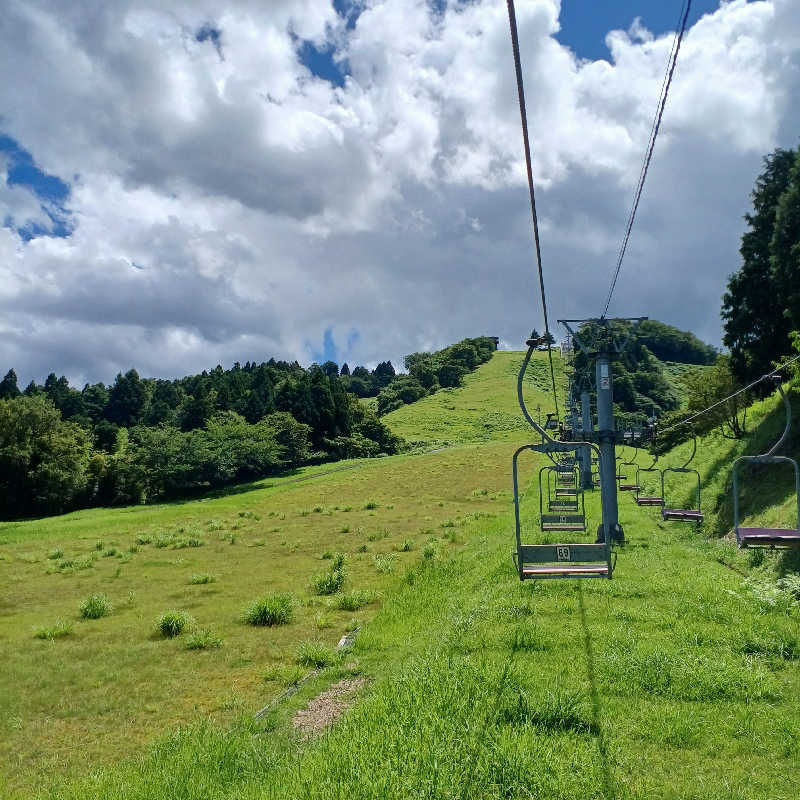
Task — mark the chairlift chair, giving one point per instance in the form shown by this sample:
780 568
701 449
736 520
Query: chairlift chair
773 538
561 520
630 487
561 560
682 514
619 476
647 500
560 499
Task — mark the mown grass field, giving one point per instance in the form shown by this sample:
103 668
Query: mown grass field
678 679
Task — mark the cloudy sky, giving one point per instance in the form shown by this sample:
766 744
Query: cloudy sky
185 183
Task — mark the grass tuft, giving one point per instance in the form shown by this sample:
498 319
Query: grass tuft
172 623
59 630
354 600
384 563
202 639
202 578
328 582
315 654
273 609
95 606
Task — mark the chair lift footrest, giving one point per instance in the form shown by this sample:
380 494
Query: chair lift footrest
572 571
682 514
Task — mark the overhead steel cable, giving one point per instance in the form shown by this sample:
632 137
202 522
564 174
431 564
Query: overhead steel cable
749 386
676 46
512 20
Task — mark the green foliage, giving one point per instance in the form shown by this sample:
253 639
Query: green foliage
172 623
202 639
315 654
159 439
354 600
427 372
273 609
202 578
640 386
61 629
761 306
95 606
670 344
328 582
43 460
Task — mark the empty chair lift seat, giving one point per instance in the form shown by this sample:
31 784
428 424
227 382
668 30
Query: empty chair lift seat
768 537
563 522
547 561
649 501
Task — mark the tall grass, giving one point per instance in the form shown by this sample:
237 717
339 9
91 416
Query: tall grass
273 609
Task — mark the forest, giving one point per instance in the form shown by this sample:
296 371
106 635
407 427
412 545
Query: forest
143 440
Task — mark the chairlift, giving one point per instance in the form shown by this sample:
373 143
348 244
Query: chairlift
619 476
561 560
630 487
561 502
682 514
647 500
772 538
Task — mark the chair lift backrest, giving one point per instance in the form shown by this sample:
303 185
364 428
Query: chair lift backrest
769 458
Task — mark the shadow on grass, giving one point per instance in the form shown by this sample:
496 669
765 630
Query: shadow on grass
609 788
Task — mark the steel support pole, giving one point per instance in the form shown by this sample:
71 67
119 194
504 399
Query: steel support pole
586 453
610 530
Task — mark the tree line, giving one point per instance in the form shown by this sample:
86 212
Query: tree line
143 439
429 372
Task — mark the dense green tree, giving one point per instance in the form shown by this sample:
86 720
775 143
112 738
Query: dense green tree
43 460
402 390
709 386
383 373
753 309
785 247
127 400
95 400
331 369
197 409
8 386
293 437
671 344
450 375
345 370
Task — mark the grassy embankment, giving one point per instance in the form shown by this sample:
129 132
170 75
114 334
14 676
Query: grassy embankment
676 679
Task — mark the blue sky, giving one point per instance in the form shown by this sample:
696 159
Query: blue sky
585 23
51 191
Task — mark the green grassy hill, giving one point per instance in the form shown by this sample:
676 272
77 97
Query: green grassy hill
677 679
484 409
